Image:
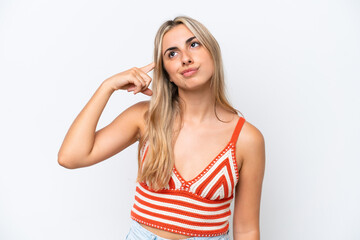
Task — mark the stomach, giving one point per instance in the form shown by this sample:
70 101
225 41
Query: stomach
163 233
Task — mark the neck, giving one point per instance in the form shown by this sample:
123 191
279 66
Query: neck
197 106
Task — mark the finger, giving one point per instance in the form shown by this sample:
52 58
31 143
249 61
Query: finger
146 78
147 92
148 68
131 88
139 83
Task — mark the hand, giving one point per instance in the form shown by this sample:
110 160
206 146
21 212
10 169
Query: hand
133 80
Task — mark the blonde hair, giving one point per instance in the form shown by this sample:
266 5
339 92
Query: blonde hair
164 106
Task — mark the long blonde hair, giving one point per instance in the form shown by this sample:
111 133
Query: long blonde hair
164 106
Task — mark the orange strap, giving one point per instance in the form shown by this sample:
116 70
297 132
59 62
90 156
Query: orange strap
237 130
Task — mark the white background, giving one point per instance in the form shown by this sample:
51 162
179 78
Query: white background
292 68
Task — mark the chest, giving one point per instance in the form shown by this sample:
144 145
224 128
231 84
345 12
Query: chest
195 150
214 180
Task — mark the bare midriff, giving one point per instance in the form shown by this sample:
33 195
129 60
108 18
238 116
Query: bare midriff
164 234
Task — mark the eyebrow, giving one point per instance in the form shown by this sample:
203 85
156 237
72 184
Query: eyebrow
186 42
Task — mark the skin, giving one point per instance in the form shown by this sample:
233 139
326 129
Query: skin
84 146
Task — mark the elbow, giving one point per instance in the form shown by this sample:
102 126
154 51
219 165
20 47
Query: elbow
66 162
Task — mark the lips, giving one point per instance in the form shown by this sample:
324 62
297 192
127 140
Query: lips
189 72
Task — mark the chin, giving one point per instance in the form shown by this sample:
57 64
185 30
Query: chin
193 84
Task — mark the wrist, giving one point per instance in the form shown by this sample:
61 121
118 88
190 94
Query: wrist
106 86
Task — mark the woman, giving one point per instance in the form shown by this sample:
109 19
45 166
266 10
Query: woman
192 158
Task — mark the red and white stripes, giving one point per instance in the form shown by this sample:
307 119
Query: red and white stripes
180 212
199 207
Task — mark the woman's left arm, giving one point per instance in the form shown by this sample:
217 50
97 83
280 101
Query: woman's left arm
251 147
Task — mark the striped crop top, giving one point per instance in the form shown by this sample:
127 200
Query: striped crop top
199 207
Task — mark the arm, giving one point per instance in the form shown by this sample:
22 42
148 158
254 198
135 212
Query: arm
83 146
248 190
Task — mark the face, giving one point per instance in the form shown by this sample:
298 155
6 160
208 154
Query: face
187 62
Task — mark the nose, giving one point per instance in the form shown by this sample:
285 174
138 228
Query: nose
186 58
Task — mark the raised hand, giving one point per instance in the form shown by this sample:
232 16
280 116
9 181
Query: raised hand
133 80
83 145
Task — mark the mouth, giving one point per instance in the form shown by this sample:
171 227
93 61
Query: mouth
189 72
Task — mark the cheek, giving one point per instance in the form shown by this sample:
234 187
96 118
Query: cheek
167 71
169 68
210 65
206 56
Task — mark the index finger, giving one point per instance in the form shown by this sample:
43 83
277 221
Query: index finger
148 68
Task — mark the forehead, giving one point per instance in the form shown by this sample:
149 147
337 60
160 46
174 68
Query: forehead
177 36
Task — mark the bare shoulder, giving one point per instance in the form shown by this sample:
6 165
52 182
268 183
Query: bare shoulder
140 107
250 135
250 144
132 120
139 112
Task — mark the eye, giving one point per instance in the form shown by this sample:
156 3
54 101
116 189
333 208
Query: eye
195 44
172 54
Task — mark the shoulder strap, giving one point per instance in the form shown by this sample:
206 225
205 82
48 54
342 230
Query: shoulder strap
237 130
